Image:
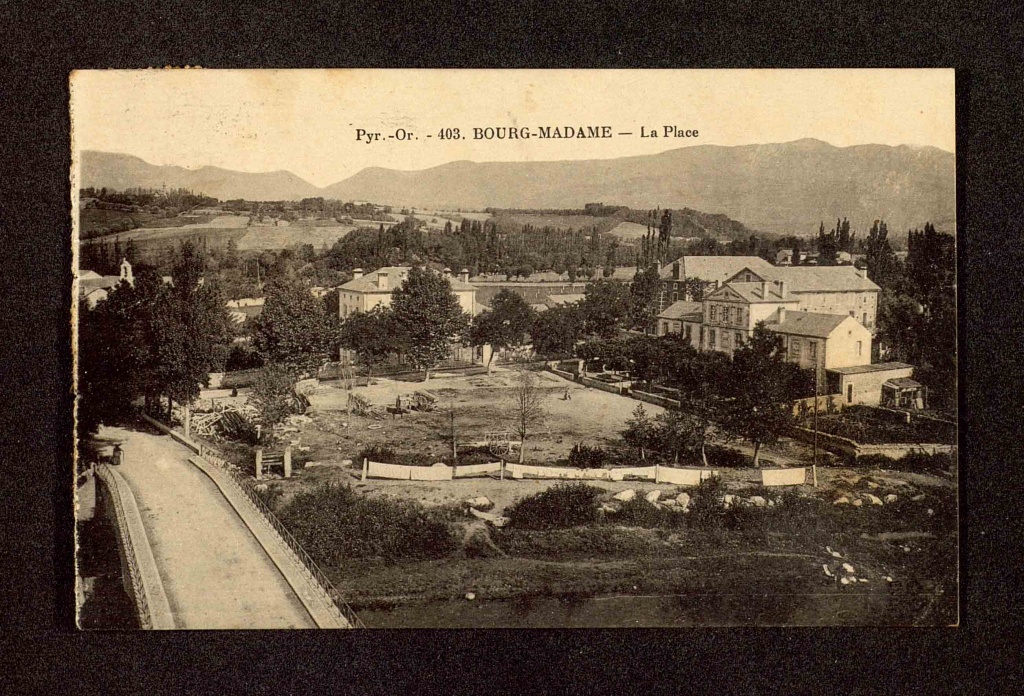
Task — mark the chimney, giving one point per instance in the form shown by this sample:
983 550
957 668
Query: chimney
863 273
382 280
447 273
782 289
782 314
764 289
464 275
357 273
675 271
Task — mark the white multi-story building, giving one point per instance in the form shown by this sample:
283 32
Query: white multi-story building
366 291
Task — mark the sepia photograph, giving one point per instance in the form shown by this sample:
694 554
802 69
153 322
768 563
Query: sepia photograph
367 348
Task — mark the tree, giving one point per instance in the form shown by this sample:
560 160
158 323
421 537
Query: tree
643 299
273 394
605 305
760 411
640 431
556 331
294 329
525 407
883 266
702 378
428 316
189 326
506 326
372 335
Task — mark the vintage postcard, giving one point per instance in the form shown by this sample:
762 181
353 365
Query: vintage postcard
539 348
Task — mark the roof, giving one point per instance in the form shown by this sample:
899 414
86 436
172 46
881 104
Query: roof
904 383
87 285
751 292
876 367
680 309
567 298
818 278
808 324
88 275
368 282
712 268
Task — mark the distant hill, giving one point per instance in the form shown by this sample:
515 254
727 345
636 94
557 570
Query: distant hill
781 188
118 171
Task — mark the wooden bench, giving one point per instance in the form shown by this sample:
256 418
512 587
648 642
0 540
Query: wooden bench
269 459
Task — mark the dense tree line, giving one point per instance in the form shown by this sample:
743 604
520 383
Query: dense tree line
150 341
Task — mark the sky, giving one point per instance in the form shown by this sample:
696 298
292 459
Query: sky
306 121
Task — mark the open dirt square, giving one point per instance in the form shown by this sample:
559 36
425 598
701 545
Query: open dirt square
482 405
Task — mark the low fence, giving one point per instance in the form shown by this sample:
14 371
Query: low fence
317 575
143 579
248 489
784 477
603 386
802 407
437 472
655 399
657 474
852 448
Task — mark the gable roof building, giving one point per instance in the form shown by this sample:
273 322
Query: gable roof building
369 290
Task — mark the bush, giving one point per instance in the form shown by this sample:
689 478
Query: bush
707 506
561 506
915 461
579 542
378 452
586 457
273 394
640 513
334 523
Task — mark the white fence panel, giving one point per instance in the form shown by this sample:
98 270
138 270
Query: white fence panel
430 473
641 472
388 471
477 469
783 477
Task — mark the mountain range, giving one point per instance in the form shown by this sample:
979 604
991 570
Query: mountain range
780 188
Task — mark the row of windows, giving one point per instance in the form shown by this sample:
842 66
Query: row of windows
733 339
729 315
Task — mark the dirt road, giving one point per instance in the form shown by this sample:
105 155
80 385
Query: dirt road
215 573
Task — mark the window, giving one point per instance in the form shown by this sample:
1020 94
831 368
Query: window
738 337
859 347
812 349
714 312
794 348
711 338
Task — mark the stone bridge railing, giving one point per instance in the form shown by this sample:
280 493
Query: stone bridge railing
142 579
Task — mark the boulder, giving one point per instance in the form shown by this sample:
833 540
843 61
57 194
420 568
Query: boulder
669 502
306 387
918 498
845 581
609 509
771 503
683 499
730 500
626 495
480 503
848 568
873 499
653 496
758 501
842 501
872 484
858 502
828 573
891 498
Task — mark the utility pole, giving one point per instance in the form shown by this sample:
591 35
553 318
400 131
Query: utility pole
814 464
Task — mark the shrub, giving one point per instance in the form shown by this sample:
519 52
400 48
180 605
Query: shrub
273 394
334 523
914 461
707 506
563 505
586 457
378 452
638 512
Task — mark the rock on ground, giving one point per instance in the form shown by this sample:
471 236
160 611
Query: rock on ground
626 495
652 496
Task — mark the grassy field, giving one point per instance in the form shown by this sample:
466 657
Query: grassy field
93 221
628 230
263 238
